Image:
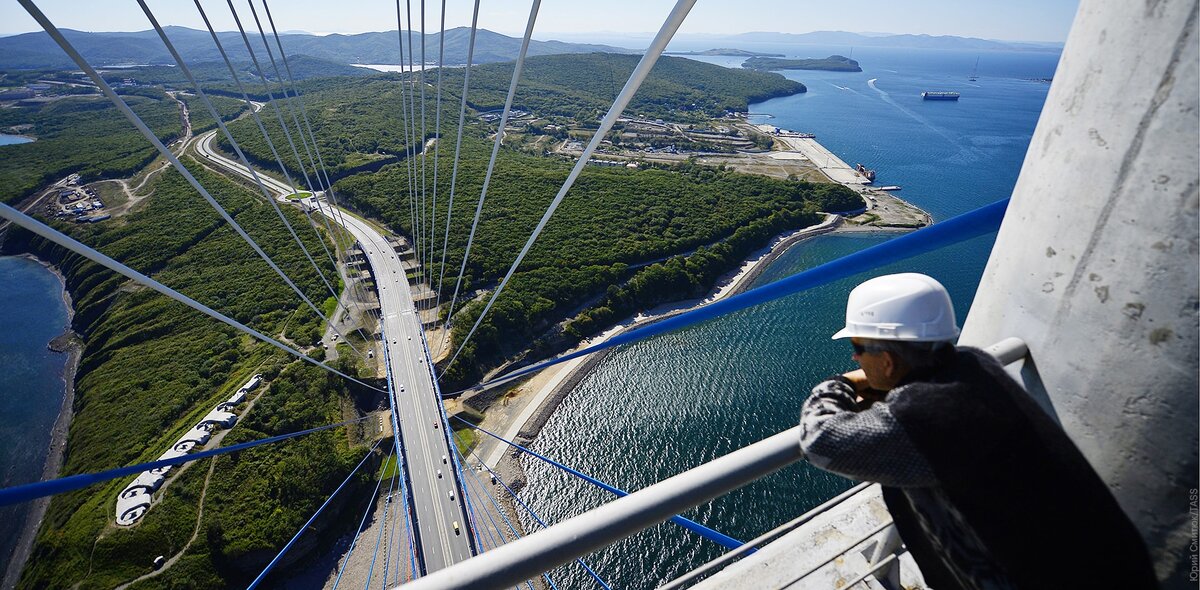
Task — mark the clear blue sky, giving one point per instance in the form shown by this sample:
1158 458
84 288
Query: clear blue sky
1015 20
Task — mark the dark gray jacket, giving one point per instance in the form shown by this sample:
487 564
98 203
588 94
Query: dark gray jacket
985 489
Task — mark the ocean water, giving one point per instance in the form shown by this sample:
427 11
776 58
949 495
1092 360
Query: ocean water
6 139
653 409
32 313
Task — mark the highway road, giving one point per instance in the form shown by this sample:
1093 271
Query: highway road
436 493
435 490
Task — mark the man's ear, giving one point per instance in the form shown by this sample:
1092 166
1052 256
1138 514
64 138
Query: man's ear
891 364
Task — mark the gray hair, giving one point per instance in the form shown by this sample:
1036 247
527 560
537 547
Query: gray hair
918 356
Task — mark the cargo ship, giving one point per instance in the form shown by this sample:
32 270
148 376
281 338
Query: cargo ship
939 95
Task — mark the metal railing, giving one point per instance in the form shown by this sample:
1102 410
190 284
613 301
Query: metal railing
531 555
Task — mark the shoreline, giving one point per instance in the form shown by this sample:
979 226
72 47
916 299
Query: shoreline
557 382
58 437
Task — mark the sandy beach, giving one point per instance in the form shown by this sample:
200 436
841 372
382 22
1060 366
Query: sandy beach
73 348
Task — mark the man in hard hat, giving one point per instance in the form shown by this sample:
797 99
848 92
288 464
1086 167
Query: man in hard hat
985 489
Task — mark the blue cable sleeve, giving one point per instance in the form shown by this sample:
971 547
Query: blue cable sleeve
358 532
391 537
539 520
703 531
511 528
969 225
50 487
271 565
379 537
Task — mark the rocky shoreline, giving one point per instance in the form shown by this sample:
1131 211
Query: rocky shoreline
70 344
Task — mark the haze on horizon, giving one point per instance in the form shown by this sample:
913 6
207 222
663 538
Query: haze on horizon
1016 20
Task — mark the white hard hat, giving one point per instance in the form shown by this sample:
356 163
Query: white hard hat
908 306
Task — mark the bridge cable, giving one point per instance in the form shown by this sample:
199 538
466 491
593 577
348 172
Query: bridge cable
487 177
670 25
270 144
51 487
330 194
285 549
437 150
363 522
535 516
270 95
427 261
148 134
217 117
94 255
690 525
957 229
462 112
409 149
496 529
418 189
282 125
283 85
379 537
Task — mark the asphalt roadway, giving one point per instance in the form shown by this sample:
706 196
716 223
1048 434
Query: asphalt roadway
435 491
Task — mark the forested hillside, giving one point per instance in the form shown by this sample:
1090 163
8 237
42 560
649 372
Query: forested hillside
88 135
151 368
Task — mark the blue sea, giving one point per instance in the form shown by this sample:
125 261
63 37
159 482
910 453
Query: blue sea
654 409
32 313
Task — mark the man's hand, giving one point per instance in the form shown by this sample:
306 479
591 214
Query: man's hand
865 394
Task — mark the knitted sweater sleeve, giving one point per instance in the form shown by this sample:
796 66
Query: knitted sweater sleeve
865 444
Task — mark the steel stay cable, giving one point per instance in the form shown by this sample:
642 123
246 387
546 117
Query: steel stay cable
287 99
706 532
77 247
418 190
285 549
454 177
379 537
221 124
363 522
391 538
330 193
279 160
969 225
462 112
437 149
427 261
639 74
539 520
504 518
283 125
535 516
270 96
62 42
487 177
300 131
409 151
51 487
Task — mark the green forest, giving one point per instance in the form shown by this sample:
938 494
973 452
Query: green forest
87 135
152 367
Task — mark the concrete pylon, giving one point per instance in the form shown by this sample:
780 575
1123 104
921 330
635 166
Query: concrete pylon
1095 266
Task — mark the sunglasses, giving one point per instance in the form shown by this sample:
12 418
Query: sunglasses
861 349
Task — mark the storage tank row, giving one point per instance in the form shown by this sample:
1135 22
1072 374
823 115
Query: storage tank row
135 499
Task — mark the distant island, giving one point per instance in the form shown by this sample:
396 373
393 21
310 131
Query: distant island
833 63
727 52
